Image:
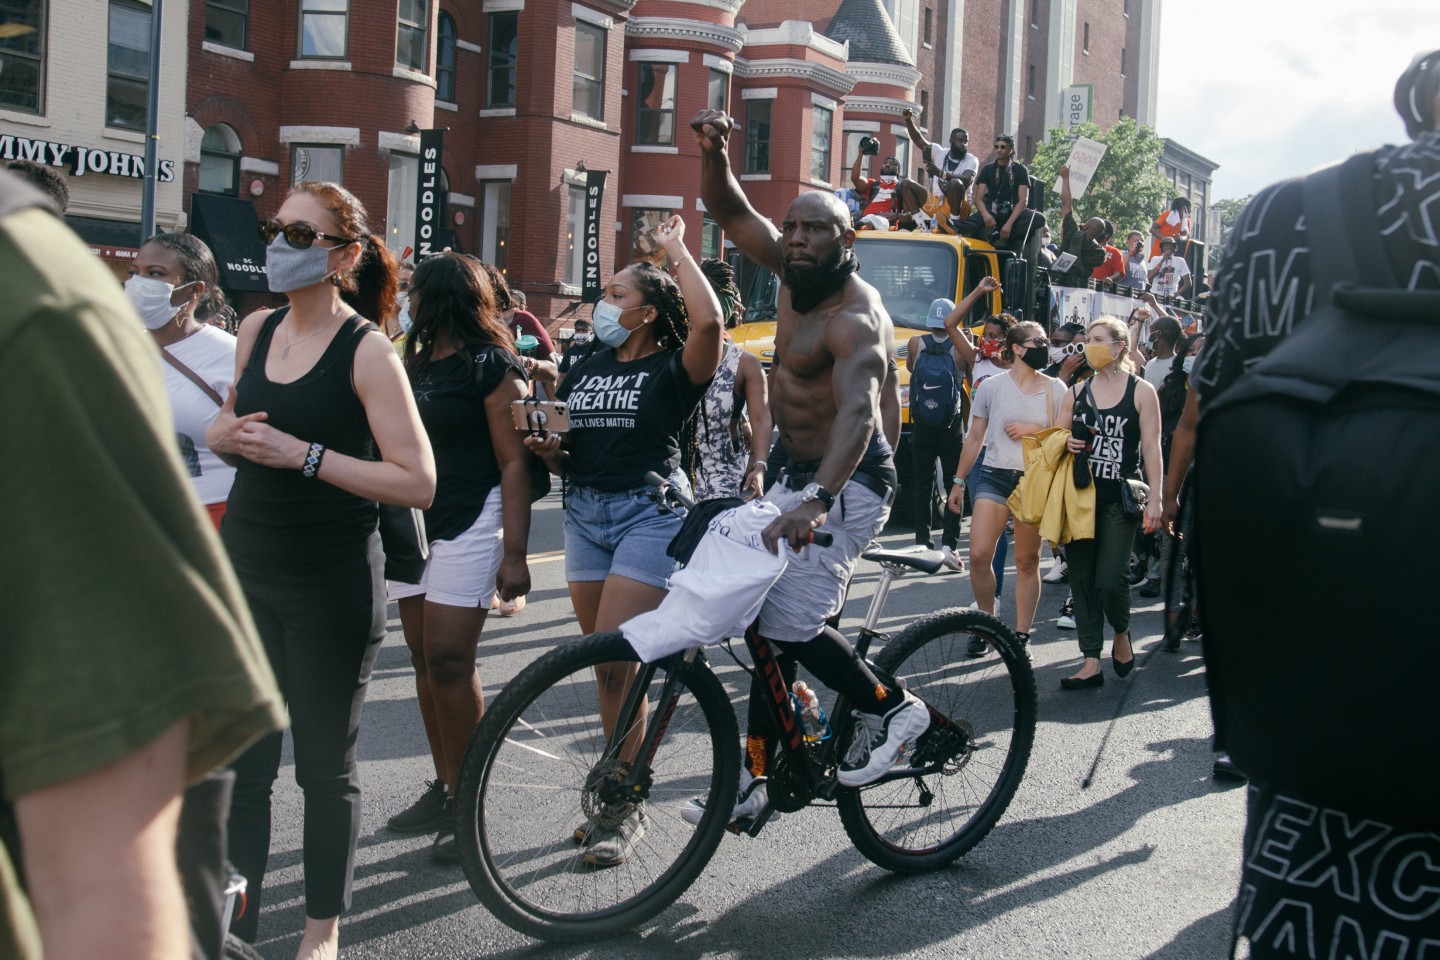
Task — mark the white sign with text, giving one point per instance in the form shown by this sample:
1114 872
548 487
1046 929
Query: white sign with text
1085 158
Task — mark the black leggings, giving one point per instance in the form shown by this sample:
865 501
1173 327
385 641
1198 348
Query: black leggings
321 624
834 663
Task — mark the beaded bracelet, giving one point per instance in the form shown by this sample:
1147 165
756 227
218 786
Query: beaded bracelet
311 467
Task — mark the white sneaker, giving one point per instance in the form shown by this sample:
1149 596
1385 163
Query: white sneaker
883 741
1059 572
975 605
749 802
952 560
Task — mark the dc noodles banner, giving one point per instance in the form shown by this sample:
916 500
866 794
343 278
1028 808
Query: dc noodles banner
590 236
429 197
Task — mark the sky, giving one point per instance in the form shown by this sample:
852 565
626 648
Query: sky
1270 89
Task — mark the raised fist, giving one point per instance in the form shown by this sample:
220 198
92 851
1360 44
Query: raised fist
712 129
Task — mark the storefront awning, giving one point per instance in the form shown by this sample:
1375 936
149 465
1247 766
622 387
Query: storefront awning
229 227
107 239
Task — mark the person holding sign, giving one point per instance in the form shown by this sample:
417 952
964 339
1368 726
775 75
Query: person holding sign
1082 243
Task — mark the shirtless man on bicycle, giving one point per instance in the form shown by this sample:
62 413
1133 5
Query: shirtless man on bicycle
832 344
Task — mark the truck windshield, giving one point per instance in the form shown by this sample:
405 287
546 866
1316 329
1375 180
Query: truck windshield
908 275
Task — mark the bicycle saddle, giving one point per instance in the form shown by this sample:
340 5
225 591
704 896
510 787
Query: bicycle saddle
916 558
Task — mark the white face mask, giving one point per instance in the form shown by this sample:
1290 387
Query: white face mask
1187 364
1056 353
151 299
605 318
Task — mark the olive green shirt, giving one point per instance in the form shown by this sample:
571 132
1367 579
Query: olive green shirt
121 613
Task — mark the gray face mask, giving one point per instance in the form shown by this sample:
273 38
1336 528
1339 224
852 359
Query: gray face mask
289 269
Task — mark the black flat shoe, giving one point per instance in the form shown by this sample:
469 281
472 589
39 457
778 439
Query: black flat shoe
1082 683
1122 670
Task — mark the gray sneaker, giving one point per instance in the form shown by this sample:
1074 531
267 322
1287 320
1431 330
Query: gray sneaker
612 846
425 815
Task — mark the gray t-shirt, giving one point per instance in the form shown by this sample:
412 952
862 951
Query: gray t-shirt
1157 370
999 402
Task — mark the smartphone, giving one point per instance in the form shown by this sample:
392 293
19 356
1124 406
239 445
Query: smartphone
538 416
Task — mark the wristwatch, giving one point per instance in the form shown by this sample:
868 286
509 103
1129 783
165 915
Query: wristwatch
813 491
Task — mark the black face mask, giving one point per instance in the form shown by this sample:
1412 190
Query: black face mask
1036 358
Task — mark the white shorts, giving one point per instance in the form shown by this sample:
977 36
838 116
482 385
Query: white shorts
461 572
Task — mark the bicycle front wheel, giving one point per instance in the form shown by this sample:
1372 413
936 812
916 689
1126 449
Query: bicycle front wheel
972 766
537 801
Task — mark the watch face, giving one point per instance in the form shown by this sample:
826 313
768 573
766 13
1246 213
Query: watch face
811 492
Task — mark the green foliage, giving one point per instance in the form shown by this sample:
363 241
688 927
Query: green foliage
1128 189
1229 211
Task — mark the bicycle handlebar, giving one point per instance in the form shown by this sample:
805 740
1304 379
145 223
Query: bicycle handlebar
665 490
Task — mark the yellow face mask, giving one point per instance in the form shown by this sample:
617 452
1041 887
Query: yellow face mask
1098 355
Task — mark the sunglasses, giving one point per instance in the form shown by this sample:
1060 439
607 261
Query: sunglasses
301 236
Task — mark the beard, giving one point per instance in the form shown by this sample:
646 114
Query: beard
812 283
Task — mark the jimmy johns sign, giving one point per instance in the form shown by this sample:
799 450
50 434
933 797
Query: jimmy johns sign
80 160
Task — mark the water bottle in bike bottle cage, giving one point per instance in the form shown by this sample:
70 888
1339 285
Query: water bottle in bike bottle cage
812 717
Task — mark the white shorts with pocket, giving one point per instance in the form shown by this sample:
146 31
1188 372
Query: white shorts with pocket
461 572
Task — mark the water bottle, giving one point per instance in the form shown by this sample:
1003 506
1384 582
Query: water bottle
807 707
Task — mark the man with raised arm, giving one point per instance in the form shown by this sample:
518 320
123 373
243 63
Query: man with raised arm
832 341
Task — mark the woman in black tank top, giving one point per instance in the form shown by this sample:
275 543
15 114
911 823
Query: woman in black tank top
1125 413
320 425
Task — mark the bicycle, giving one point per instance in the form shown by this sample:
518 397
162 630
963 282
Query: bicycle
541 764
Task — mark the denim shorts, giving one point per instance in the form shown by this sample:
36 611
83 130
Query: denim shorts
996 484
621 533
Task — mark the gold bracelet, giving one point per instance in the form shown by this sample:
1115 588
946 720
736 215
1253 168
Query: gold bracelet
683 259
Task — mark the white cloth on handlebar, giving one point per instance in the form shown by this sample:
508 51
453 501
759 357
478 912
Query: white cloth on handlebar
719 592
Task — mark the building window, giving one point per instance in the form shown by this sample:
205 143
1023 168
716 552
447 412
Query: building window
319 164
644 221
925 105
495 224
412 35
589 90
1035 13
655 103
852 150
928 26
718 94
504 45
1085 43
127 82
22 55
757 136
1030 81
220 161
1029 146
902 155
1125 7
820 143
400 203
710 242
323 28
445 60
1123 57
574 235
226 21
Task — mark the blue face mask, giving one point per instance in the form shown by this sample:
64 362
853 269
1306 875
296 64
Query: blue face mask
404 318
289 269
606 320
1187 364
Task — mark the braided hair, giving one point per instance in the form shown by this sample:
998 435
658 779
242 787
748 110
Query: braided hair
659 290
722 280
198 263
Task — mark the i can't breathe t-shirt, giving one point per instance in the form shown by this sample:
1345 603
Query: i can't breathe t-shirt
626 417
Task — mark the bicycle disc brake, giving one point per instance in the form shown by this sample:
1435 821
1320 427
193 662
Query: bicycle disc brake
786 791
602 800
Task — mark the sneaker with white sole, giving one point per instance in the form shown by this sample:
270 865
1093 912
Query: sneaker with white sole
1067 615
1059 572
883 741
952 560
612 846
750 800
975 605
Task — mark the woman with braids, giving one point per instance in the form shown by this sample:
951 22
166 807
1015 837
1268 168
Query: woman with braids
629 403
465 374
1007 406
320 425
175 288
732 431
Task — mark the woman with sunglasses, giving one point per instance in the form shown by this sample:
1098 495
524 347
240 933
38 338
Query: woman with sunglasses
199 355
631 402
465 375
321 425
1123 412
1008 406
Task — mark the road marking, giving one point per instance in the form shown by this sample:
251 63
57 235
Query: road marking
545 557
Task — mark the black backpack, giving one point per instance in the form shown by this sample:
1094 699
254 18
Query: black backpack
935 385
1322 657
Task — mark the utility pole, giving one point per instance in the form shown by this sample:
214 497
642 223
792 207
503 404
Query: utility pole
152 121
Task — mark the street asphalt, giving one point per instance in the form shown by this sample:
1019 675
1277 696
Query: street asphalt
1118 843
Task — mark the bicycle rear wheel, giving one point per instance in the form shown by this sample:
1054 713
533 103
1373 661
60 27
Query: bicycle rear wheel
537 776
928 820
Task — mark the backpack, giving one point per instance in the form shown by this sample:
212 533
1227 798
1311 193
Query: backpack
935 385
1321 660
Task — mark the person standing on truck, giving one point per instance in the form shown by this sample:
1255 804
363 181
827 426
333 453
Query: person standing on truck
952 170
1002 195
832 339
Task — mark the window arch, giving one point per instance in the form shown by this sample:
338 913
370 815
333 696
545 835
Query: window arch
220 160
445 59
